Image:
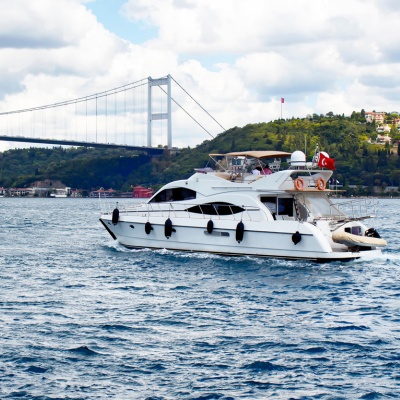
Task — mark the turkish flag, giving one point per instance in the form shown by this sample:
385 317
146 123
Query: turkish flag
326 162
282 100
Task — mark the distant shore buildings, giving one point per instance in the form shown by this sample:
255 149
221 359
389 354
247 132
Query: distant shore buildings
142 192
55 188
383 119
384 124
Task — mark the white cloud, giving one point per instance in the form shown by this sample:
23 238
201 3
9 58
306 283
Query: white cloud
236 58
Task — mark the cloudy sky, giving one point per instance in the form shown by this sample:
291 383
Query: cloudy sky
236 58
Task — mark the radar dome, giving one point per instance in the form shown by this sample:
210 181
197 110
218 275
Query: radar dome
298 159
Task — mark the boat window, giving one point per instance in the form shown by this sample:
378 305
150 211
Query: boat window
278 205
175 194
216 209
270 203
285 206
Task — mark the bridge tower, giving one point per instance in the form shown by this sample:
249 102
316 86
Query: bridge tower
153 117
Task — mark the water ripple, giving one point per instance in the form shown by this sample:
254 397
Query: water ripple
85 318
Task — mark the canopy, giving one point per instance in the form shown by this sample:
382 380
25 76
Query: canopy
256 154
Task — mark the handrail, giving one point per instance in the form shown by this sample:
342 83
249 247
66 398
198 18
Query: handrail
358 209
180 210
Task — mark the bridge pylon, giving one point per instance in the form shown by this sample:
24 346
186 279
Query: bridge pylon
157 116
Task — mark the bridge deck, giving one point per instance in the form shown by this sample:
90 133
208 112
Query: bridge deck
145 149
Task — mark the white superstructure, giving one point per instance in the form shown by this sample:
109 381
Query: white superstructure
229 210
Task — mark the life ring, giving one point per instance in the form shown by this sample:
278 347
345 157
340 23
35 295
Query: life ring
321 184
299 184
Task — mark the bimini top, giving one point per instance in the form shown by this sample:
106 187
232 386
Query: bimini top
256 154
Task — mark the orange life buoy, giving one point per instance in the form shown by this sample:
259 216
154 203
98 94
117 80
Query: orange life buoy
321 184
299 184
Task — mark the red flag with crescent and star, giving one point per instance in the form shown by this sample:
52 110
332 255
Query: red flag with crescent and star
326 162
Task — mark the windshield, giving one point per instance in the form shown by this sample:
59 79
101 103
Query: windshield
321 207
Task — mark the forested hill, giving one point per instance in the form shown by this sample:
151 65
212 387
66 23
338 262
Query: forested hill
344 139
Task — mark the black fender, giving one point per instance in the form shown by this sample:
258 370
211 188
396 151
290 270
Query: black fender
148 228
239 231
210 226
168 228
296 237
115 216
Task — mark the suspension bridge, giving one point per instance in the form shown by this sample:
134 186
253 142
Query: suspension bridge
131 116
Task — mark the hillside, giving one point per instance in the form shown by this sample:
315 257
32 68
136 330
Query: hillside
345 139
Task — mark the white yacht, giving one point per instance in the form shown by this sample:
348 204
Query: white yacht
63 193
240 208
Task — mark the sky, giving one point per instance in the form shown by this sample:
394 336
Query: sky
236 58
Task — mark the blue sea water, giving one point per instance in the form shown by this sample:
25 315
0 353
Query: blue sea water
84 318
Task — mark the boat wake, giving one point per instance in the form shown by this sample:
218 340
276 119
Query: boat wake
114 245
380 258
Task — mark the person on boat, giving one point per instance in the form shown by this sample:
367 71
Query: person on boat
256 171
266 170
271 205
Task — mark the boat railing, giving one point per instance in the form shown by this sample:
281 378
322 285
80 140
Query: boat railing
357 209
107 207
186 210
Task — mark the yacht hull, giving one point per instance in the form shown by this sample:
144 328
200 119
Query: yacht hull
272 239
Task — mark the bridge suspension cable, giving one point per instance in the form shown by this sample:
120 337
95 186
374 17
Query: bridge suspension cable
93 120
82 99
198 104
197 122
